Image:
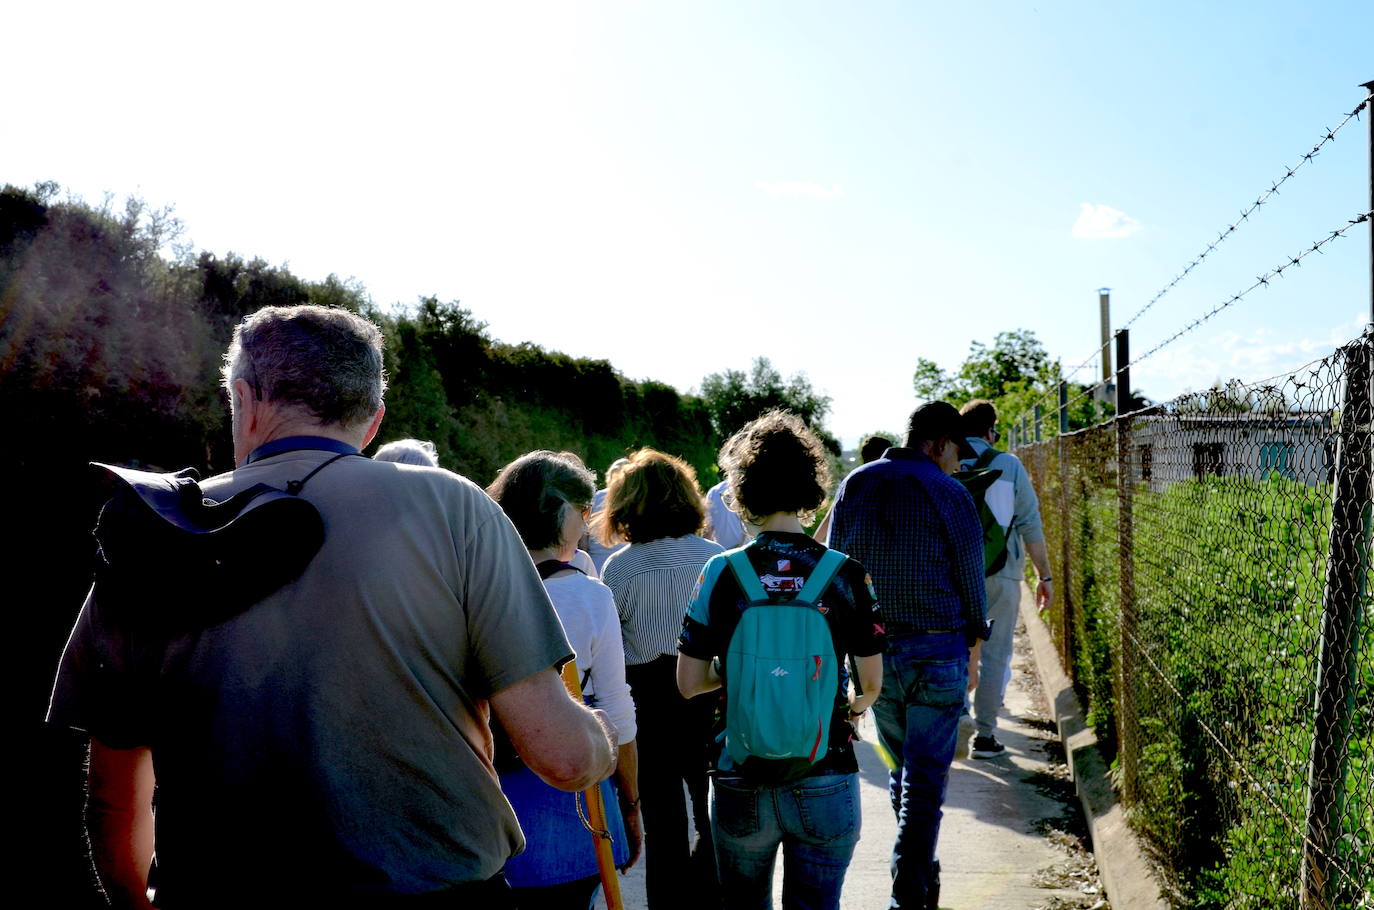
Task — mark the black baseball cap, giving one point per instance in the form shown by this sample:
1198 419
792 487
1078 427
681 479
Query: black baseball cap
939 420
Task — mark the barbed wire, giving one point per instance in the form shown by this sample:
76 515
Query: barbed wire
1262 281
1065 377
1328 136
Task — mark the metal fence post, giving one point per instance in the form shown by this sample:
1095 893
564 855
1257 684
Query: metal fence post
1066 536
1037 422
1063 408
1346 570
1369 110
1127 726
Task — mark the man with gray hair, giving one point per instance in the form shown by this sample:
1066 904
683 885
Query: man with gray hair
329 745
409 451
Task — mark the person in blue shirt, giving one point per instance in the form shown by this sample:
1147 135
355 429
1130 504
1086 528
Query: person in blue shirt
917 532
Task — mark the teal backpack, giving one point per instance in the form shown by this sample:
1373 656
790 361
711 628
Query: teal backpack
781 674
976 479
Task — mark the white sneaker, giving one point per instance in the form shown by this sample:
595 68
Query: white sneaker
966 728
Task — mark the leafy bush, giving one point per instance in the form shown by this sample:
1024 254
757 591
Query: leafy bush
1225 636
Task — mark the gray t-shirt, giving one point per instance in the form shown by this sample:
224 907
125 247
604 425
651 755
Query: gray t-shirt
335 735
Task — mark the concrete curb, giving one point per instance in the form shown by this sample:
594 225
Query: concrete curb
1126 875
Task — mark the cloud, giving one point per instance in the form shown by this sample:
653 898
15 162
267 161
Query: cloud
801 188
1251 357
1103 221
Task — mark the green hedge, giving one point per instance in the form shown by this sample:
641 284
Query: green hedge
1228 580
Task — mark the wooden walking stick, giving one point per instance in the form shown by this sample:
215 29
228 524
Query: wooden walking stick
595 820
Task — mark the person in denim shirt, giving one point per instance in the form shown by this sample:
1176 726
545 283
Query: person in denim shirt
917 531
776 469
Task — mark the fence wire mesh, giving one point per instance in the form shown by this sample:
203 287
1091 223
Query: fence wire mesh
1213 554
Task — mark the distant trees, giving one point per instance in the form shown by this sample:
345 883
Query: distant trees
733 398
95 336
1234 397
484 402
110 351
1014 373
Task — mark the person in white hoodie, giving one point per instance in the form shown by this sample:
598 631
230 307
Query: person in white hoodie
1012 500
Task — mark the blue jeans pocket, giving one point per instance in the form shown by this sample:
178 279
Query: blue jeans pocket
828 812
941 684
737 808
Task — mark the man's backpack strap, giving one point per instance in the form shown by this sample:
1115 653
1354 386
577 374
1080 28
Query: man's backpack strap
985 460
294 487
821 576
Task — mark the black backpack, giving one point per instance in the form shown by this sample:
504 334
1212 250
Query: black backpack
172 561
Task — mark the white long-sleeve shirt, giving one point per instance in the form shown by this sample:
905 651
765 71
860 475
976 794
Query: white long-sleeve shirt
587 610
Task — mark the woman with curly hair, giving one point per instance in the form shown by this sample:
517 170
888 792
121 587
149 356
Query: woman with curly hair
546 496
655 505
778 474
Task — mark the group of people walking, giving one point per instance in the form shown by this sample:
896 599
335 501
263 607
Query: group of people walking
388 726
775 479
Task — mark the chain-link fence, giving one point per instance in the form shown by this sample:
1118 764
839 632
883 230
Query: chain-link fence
1213 554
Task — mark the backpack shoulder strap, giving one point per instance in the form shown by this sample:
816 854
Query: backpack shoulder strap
294 487
986 458
744 573
551 566
821 577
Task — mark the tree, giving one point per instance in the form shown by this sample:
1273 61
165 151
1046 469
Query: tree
734 398
1235 397
1014 373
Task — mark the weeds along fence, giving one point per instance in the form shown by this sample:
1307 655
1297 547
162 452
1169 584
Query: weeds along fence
1214 613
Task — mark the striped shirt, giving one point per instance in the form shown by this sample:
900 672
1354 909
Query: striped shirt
653 583
917 532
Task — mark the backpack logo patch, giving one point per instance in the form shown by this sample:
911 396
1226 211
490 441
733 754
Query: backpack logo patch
777 584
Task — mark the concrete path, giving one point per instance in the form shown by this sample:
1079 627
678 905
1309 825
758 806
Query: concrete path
989 846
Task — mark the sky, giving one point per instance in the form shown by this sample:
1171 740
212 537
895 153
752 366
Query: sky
679 188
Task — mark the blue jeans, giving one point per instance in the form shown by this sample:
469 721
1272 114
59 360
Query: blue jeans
815 819
924 680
